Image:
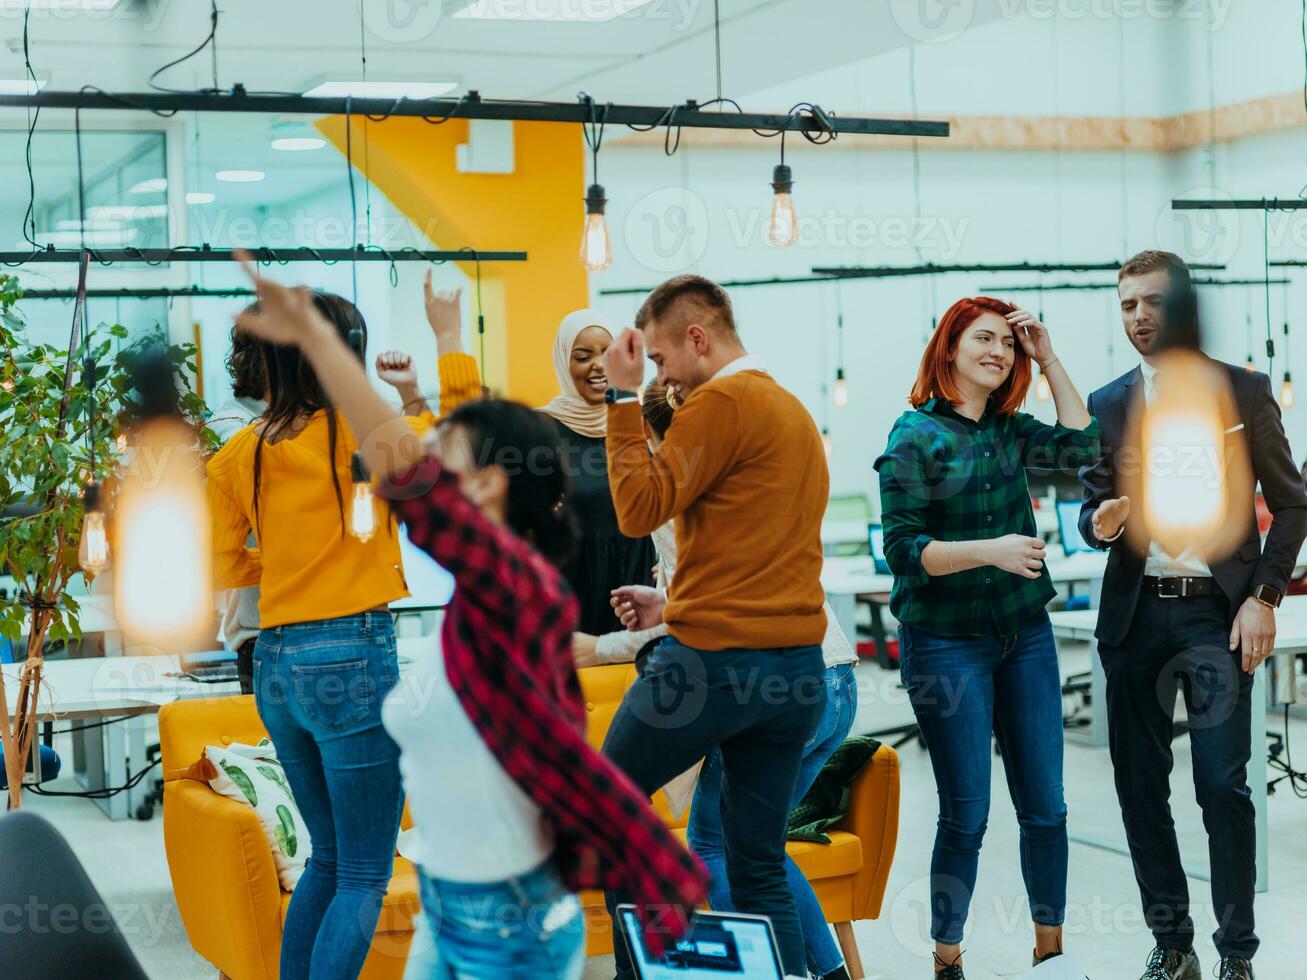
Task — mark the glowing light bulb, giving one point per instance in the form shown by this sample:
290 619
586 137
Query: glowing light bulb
783 229
1192 476
1249 365
827 444
363 505
163 594
1042 391
1286 391
839 395
596 246
93 547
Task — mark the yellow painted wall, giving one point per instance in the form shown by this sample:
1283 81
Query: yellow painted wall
538 208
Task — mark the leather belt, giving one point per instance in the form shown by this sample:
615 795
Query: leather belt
1180 587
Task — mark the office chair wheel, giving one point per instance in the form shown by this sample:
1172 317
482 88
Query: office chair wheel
145 811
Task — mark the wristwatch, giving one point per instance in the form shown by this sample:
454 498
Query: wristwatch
1268 596
614 395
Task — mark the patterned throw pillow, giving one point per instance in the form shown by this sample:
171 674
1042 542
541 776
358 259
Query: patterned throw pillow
251 774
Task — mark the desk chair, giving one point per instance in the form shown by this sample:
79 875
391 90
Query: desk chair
38 870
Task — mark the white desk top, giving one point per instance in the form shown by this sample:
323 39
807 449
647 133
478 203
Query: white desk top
856 575
106 686
1290 624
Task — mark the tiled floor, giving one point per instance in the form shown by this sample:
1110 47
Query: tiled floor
126 862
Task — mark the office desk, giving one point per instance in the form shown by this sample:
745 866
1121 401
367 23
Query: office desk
1290 640
133 689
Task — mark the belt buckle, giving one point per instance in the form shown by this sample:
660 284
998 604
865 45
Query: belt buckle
1181 594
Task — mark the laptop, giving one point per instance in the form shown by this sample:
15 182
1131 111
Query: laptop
719 945
876 541
210 667
1068 527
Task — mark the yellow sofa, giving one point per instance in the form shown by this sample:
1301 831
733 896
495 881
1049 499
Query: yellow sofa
232 904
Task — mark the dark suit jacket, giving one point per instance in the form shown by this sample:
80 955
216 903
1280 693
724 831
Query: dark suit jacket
1273 467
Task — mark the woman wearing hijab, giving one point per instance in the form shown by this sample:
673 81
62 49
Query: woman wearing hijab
604 557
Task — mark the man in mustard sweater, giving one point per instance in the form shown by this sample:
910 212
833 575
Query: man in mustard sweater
743 473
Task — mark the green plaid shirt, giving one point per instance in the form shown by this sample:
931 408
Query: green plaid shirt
944 477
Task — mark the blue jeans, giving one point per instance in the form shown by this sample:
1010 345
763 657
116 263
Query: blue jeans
704 832
525 928
319 688
963 690
760 707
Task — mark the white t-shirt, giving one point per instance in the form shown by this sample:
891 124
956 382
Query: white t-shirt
473 822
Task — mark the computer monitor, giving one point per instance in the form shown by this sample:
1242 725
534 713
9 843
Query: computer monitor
431 586
719 946
876 541
1068 527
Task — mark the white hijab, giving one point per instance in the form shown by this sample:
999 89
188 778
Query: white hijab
568 406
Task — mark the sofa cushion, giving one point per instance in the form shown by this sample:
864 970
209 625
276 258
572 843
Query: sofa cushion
401 904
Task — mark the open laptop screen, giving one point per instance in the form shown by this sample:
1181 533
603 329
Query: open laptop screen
718 947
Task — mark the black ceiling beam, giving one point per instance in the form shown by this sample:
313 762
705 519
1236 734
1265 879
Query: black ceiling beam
1060 286
472 106
931 269
145 293
1289 263
265 256
1244 204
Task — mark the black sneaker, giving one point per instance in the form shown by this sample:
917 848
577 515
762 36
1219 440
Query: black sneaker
1234 968
1037 959
951 971
1172 964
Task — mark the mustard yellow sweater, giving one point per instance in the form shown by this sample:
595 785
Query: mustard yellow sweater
743 472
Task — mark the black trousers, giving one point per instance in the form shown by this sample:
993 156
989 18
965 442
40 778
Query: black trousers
760 707
245 665
1183 646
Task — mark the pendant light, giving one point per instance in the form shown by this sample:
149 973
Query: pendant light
840 391
1286 387
363 504
1249 365
826 443
783 228
596 243
163 593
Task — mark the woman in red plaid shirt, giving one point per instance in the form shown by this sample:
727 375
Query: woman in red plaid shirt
514 810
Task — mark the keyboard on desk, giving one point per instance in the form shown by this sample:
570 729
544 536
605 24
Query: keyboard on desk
213 675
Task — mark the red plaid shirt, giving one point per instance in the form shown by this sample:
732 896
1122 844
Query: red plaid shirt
507 644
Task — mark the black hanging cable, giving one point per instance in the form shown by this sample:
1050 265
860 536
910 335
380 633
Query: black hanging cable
208 40
367 156
29 219
81 180
353 200
1266 277
717 39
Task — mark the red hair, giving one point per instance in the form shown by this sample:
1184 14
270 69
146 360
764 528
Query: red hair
935 376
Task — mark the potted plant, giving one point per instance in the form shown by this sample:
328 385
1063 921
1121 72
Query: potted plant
59 430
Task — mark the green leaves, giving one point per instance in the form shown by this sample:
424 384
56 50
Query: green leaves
41 473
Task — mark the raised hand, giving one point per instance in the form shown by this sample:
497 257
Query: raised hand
624 360
396 369
444 314
1033 336
285 314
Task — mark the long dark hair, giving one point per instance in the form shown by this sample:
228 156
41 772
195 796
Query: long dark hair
245 366
525 445
294 391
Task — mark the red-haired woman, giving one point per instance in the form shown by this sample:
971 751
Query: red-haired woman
977 652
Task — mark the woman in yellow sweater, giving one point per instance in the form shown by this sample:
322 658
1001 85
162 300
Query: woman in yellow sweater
325 658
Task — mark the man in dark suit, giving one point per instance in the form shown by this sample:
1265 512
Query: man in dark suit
1171 623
